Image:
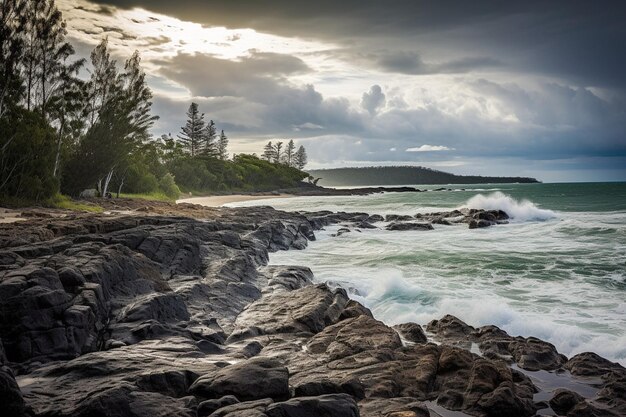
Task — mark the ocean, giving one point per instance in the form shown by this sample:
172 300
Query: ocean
557 271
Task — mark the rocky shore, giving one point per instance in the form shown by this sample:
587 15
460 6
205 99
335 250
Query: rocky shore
171 310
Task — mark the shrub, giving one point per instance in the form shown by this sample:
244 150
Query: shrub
168 186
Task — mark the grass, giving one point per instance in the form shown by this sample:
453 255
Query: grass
64 202
154 196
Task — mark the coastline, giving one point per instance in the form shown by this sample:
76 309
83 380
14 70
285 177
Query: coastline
221 200
303 346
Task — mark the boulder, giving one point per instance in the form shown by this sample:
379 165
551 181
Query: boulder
252 379
411 332
409 226
332 405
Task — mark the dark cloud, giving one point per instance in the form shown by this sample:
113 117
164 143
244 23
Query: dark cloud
373 99
259 84
580 40
409 62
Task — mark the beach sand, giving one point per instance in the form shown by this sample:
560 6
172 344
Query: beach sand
220 200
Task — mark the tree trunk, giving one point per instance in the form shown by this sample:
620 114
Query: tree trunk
119 189
59 142
106 183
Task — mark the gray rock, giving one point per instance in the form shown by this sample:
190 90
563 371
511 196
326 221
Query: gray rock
206 408
409 226
332 405
252 379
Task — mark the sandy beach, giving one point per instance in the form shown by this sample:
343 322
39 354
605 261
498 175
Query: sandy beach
220 200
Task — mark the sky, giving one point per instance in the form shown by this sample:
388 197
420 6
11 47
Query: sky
533 88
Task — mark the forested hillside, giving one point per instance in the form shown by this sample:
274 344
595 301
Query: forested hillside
402 175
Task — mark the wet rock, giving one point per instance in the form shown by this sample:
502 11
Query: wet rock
564 400
206 408
480 224
412 332
308 309
352 336
450 327
248 380
409 226
394 407
317 387
244 409
332 405
10 394
397 218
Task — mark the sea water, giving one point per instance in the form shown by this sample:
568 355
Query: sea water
557 271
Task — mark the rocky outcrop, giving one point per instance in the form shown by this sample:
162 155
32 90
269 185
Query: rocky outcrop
146 315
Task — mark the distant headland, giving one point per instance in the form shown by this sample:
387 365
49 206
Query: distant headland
402 175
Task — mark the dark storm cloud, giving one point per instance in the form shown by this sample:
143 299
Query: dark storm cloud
260 86
408 62
581 41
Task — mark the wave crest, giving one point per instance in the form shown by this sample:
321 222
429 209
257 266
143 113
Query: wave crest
520 210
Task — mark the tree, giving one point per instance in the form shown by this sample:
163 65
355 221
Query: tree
222 146
269 152
278 153
52 52
209 145
120 107
12 27
193 133
300 158
290 151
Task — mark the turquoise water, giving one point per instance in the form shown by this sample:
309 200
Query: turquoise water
557 271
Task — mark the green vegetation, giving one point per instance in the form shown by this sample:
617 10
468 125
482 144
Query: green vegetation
63 133
65 202
403 175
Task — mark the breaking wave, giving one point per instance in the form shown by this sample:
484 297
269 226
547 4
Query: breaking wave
520 210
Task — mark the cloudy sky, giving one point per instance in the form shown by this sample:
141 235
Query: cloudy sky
535 88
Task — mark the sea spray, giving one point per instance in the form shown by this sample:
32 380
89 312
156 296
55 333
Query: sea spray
522 210
562 281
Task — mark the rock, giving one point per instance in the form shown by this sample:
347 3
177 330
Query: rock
412 332
332 405
394 407
397 218
375 218
564 400
125 400
479 224
309 310
206 408
409 226
10 394
244 409
317 387
341 231
89 193
450 327
248 380
352 336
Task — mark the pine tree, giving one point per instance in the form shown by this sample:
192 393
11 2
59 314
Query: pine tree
278 153
209 146
222 146
13 19
192 134
52 52
103 83
268 152
290 151
300 158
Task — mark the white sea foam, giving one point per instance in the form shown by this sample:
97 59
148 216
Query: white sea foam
560 281
522 210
